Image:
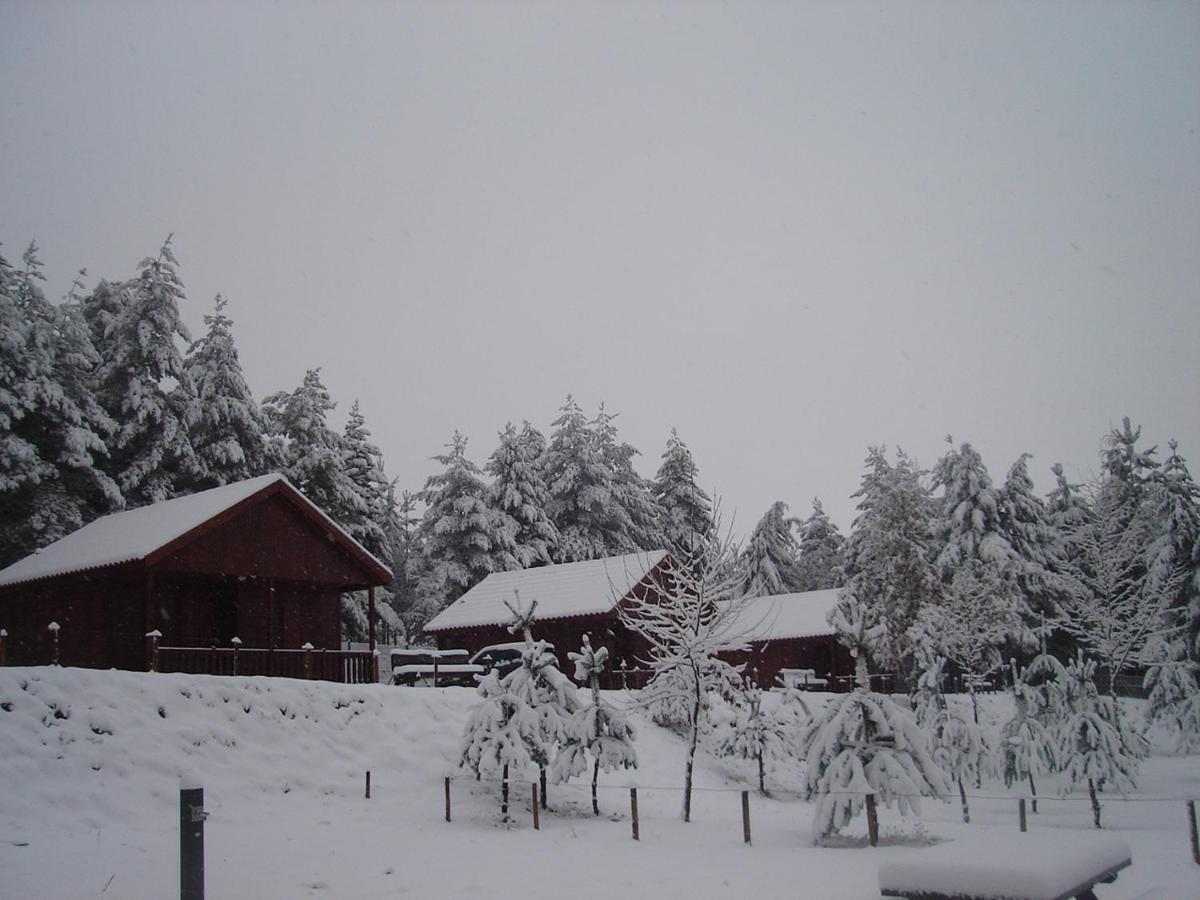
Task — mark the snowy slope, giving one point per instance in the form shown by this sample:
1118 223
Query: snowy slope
90 765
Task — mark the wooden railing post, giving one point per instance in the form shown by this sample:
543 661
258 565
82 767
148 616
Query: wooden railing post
624 675
374 667
3 647
872 821
53 628
308 659
152 639
237 645
633 812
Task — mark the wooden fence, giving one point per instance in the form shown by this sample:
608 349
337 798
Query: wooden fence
342 666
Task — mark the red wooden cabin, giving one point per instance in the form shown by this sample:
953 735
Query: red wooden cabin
239 578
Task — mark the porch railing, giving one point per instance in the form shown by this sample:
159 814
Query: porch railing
342 666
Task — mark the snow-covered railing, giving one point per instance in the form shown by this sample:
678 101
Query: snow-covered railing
342 666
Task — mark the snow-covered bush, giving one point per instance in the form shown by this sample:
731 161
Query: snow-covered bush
749 732
1027 746
863 742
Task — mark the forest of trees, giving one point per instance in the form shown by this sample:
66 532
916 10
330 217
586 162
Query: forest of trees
107 402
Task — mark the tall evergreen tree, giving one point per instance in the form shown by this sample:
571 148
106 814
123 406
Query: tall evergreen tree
888 552
629 490
687 513
463 539
228 432
821 552
590 522
518 492
150 454
770 563
362 462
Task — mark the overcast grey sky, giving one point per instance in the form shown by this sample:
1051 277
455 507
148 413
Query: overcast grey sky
788 230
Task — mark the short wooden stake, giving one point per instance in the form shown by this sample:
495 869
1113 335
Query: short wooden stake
53 629
536 824
1021 813
746 816
191 843
368 784
633 812
447 798
3 639
872 821
1191 807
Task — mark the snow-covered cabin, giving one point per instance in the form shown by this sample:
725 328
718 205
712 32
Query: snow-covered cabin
789 634
254 560
573 599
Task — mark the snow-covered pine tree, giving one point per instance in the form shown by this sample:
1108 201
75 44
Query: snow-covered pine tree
228 433
1095 748
687 513
1038 545
362 463
150 454
863 742
822 547
888 551
1028 745
519 495
463 540
630 492
959 747
599 731
690 617
590 522
752 733
413 606
770 564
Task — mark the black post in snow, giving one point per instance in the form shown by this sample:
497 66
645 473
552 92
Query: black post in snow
191 843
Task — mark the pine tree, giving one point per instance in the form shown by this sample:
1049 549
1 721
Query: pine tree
313 454
463 539
518 493
770 563
228 433
630 492
362 463
1028 744
1173 556
590 522
821 552
687 512
414 607
887 554
599 731
751 733
150 455
863 742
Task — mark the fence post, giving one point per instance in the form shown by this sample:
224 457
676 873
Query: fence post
375 666
308 659
152 638
3 649
872 821
368 784
191 843
633 812
1191 808
746 816
237 645
624 675
447 798
1021 812
53 628
534 794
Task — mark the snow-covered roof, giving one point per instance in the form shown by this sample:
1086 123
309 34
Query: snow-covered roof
782 616
137 533
562 591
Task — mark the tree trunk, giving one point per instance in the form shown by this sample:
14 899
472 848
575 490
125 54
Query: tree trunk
762 775
542 782
691 757
974 700
1033 790
962 795
595 778
504 794
1095 802
862 678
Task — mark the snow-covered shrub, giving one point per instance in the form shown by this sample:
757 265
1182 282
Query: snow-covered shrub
749 732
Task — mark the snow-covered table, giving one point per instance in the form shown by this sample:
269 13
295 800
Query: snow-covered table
1041 865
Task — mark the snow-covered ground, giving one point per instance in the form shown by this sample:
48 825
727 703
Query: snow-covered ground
90 764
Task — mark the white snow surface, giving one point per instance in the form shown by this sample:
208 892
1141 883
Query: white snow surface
781 616
1032 866
561 591
91 762
136 533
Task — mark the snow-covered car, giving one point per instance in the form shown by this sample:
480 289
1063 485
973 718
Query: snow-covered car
440 668
502 657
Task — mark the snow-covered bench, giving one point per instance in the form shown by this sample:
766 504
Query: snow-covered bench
1042 865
